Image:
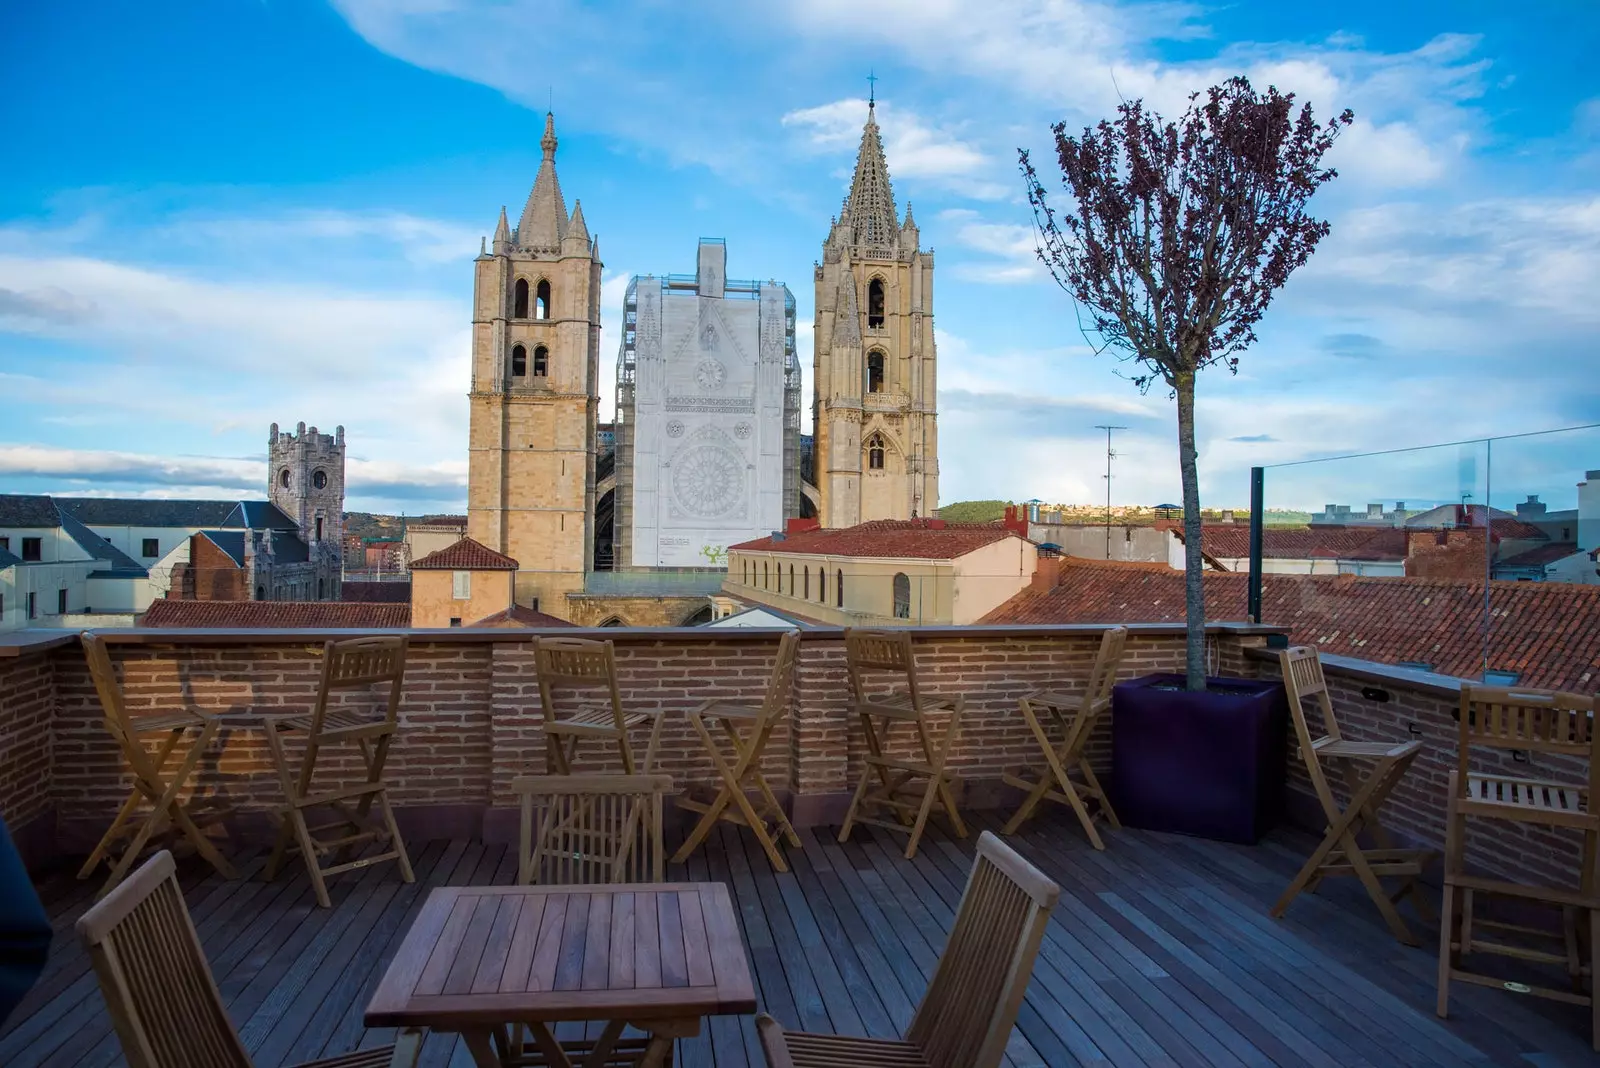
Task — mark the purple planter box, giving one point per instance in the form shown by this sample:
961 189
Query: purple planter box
1208 764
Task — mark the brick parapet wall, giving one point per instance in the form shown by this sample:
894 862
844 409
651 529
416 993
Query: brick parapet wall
472 719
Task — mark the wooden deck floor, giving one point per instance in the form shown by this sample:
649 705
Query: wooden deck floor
1160 953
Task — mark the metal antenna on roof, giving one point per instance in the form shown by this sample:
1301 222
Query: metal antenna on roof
1110 455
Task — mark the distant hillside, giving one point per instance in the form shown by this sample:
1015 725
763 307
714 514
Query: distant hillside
373 525
974 511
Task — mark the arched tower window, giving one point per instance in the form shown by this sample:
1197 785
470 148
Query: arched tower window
519 361
283 478
875 304
822 585
766 581
875 371
541 300
791 580
902 596
805 591
838 587
875 452
541 361
519 301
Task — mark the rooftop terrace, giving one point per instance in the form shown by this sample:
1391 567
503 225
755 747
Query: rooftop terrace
1161 951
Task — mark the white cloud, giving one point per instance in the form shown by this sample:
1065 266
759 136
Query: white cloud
914 148
1010 248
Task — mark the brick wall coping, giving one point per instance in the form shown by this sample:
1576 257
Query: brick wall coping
1447 686
621 635
24 642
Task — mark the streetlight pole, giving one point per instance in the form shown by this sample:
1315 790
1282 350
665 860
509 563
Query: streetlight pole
1110 455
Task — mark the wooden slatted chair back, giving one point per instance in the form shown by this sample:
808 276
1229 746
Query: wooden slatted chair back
157 984
966 1016
879 652
577 664
1103 676
780 684
361 664
1303 682
1535 721
591 829
117 719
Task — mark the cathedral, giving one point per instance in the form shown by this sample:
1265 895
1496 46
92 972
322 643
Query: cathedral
690 474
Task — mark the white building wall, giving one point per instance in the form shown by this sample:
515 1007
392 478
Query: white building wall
45 581
708 418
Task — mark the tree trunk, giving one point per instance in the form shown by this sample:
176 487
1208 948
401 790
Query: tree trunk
1193 560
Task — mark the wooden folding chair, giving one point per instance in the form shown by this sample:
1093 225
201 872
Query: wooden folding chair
357 666
1534 722
153 782
584 667
740 763
159 988
1340 852
889 651
965 1017
1075 715
591 828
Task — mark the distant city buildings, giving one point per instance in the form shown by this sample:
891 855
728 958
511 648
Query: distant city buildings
102 561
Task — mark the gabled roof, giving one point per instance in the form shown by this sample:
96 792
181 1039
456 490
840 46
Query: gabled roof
118 563
287 548
1548 632
921 539
520 616
7 558
465 555
262 515
296 615
229 541
141 512
27 510
1473 517
764 610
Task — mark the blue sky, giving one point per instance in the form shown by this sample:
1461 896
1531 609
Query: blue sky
218 215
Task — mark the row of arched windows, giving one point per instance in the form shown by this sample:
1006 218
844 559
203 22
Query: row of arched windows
541 300
519 361
768 572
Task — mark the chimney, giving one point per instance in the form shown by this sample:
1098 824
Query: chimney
1015 521
1227 515
1589 511
1375 511
1046 573
796 525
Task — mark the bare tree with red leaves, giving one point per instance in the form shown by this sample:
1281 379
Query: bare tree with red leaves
1177 238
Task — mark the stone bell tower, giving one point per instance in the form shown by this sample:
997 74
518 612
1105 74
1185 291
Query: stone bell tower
305 479
534 398
875 410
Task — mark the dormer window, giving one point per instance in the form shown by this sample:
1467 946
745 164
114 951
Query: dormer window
875 304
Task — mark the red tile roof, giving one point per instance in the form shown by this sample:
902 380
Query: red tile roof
519 616
921 539
1549 632
296 615
1472 516
465 555
1540 555
1232 542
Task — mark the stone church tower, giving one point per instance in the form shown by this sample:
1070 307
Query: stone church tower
534 399
876 444
305 479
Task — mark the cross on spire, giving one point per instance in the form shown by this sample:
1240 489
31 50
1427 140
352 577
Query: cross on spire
872 88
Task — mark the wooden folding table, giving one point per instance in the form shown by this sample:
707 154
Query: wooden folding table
486 961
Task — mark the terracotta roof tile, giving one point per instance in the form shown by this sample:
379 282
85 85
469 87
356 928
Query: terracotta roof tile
1548 632
364 592
519 616
295 615
465 555
1232 542
922 539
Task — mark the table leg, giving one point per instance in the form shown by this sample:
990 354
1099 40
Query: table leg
662 1034
481 1048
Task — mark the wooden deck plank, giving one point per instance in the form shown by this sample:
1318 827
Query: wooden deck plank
1160 953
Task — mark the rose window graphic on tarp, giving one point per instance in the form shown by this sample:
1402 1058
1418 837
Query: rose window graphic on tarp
708 481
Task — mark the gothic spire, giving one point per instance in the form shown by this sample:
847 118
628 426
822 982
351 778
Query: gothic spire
577 235
846 314
871 201
544 216
502 233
